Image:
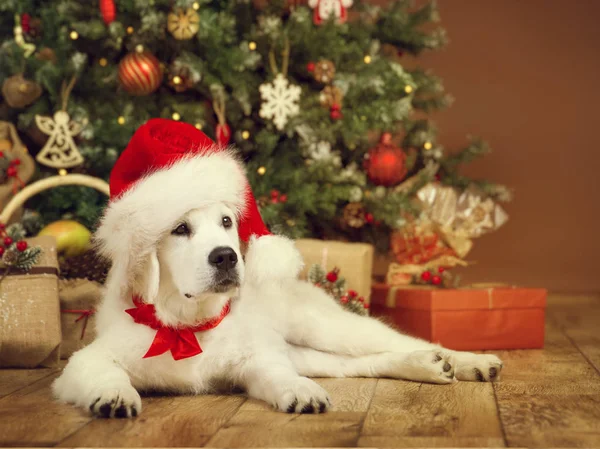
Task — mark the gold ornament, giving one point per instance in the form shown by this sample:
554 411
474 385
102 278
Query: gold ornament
60 150
331 95
354 215
183 24
19 92
324 71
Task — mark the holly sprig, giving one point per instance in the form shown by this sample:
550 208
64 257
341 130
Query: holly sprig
15 252
8 167
335 286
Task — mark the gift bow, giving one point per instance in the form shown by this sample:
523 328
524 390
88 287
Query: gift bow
181 341
84 314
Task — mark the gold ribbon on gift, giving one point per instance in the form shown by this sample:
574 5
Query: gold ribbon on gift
402 274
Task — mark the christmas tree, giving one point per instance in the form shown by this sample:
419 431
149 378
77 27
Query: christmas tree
313 94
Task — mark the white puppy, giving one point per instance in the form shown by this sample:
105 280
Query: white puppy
184 312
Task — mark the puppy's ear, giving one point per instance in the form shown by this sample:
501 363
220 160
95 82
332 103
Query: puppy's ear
151 277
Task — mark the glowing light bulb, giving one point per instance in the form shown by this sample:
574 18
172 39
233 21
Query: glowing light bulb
245 135
252 45
367 59
62 172
103 62
121 120
428 145
261 171
176 116
408 89
74 35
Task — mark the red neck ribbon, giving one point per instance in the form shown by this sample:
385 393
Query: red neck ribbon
181 341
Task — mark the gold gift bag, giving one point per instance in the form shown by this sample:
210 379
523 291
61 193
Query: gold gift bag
355 261
30 313
79 299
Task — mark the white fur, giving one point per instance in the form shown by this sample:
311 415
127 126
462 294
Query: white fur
279 331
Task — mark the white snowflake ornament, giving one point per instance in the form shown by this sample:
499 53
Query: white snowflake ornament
280 101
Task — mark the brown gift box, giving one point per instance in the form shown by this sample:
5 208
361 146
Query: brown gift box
30 312
355 261
467 319
24 170
79 299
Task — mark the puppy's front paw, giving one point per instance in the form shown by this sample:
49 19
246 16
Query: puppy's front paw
303 396
478 367
116 403
433 366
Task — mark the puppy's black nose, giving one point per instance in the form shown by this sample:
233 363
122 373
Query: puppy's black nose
223 258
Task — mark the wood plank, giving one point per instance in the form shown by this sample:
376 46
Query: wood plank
549 398
411 414
12 380
31 416
166 421
257 425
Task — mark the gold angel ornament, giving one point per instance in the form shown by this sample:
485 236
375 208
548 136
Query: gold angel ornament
60 150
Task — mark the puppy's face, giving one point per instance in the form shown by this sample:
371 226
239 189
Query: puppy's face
201 256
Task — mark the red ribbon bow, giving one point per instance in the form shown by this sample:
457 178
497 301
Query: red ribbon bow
181 341
84 314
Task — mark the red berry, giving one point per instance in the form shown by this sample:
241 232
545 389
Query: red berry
335 107
8 241
436 280
2 226
335 114
441 270
426 276
274 193
11 171
310 66
1 153
1 251
344 299
332 276
369 217
16 161
21 245
352 293
274 201
366 305
283 198
361 299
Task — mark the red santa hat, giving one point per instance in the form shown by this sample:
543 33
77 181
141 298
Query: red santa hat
168 169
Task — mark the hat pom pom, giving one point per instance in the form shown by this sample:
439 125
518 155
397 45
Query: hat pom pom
272 257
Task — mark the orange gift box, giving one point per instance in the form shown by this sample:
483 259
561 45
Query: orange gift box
467 319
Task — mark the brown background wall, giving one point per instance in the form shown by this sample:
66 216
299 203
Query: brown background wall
526 77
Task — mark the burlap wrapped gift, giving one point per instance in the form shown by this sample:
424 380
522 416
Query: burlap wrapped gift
355 261
30 312
24 170
79 299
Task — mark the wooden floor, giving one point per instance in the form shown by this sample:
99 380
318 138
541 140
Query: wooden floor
547 398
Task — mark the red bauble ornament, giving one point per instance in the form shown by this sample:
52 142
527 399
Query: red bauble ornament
140 73
25 23
223 133
21 245
335 114
332 276
436 280
426 276
386 163
108 11
8 241
369 217
310 67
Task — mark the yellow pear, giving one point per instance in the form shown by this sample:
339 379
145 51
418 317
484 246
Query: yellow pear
72 238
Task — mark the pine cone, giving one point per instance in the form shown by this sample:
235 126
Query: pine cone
324 71
88 265
10 257
331 95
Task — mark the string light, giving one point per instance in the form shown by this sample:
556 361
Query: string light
176 79
103 62
428 145
196 6
245 135
291 222
252 46
139 48
198 125
367 59
408 89
74 35
121 120
62 172
130 30
261 171
176 116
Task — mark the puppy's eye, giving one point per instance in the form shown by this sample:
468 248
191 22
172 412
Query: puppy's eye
182 229
227 223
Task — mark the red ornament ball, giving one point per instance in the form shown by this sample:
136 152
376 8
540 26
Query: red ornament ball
436 280
426 276
335 114
8 241
11 171
108 11
21 245
140 73
25 23
310 67
386 163
332 276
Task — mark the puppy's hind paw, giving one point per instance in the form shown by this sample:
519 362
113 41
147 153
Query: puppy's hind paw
116 403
